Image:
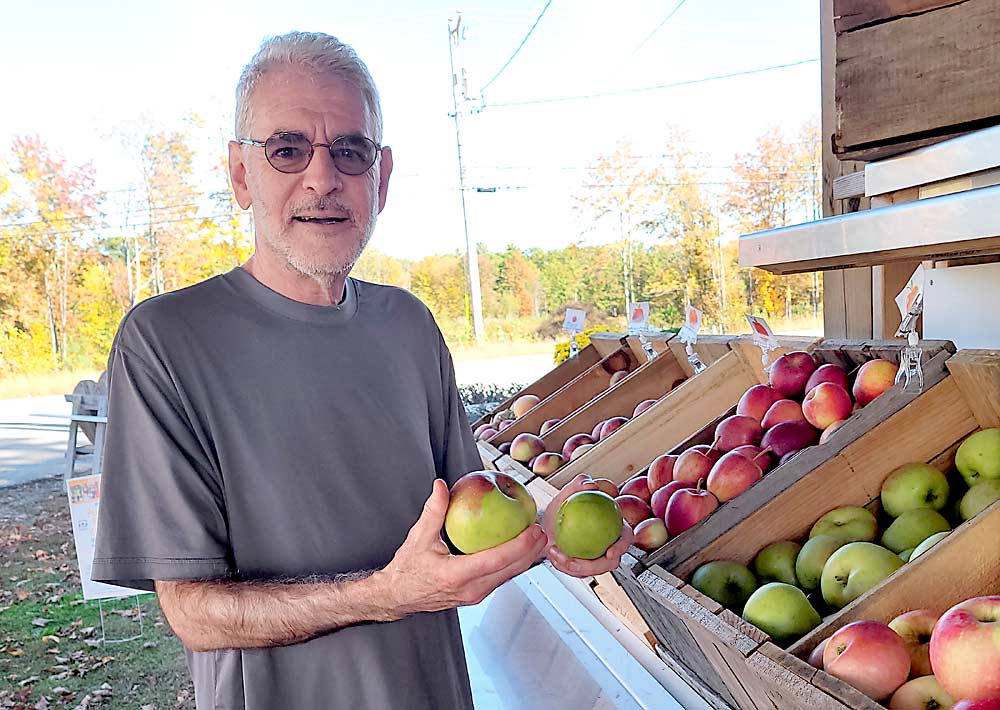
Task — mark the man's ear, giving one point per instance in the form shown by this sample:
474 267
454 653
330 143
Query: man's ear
238 175
384 171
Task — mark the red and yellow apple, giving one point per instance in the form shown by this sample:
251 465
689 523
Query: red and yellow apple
651 534
610 426
915 628
870 656
642 407
661 496
634 509
523 404
873 379
573 442
487 508
661 471
965 649
688 507
525 447
828 373
737 430
638 487
547 463
825 404
784 410
921 693
731 475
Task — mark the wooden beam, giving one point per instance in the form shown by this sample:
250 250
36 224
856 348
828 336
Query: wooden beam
854 14
918 76
847 304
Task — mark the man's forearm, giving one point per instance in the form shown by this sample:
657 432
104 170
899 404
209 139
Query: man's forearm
210 615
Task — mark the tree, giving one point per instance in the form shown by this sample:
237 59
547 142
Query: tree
774 185
61 201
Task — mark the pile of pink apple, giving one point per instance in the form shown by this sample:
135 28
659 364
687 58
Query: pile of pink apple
506 417
922 659
529 449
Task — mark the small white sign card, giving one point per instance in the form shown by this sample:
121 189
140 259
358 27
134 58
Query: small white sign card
692 324
575 320
84 501
911 298
638 317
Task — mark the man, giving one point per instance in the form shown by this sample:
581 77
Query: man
274 432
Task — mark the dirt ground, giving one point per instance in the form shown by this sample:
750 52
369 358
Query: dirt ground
51 648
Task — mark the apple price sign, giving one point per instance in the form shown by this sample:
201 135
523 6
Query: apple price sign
638 317
573 324
689 336
763 337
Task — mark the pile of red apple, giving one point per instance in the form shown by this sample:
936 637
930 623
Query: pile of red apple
802 404
922 659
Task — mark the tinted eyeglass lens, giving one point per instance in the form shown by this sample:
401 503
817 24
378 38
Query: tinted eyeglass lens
288 152
291 153
353 155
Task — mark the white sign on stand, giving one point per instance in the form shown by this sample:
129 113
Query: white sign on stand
764 338
84 499
575 320
638 317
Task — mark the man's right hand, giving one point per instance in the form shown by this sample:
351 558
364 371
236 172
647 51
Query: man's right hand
424 575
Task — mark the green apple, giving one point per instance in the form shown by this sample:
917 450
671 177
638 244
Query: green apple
776 562
915 485
487 508
978 498
813 556
905 554
979 456
782 611
728 583
928 544
913 527
854 569
587 524
850 522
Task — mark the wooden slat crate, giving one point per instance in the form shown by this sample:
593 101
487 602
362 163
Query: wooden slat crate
574 394
912 72
555 378
927 430
847 353
676 416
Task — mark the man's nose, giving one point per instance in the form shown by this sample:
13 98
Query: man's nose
321 175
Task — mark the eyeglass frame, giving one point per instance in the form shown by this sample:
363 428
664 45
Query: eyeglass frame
312 149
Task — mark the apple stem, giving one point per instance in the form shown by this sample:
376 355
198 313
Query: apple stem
698 485
714 444
762 453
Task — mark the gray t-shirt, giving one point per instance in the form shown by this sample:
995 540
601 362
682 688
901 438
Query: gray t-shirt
251 436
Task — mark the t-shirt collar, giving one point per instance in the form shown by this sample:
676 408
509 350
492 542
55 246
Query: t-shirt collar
245 284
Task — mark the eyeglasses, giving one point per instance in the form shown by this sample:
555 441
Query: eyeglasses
292 152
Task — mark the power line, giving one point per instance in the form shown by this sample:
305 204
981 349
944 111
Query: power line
657 28
674 85
507 63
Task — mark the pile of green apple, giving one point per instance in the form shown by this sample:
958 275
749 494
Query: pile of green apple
845 555
922 659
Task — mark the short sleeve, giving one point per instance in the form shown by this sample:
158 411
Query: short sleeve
162 511
461 454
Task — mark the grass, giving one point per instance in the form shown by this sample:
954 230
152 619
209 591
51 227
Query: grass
43 384
50 638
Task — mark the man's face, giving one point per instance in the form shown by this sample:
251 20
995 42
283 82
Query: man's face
317 221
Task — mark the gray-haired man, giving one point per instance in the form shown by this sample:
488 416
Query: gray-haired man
271 447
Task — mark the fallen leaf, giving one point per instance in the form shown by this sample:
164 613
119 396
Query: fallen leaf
42 704
29 680
41 621
22 594
50 639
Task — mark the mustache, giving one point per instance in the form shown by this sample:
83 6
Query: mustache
324 204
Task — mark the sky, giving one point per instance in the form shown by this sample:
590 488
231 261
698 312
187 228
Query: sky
78 74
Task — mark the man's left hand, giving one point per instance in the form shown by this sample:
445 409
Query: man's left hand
574 566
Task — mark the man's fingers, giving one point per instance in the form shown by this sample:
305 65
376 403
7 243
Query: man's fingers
427 529
527 545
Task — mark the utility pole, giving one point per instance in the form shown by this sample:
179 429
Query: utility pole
454 38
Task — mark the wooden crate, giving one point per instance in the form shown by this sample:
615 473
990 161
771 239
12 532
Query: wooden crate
913 72
927 430
555 378
676 416
589 384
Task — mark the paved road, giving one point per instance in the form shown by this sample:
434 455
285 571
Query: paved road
32 446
